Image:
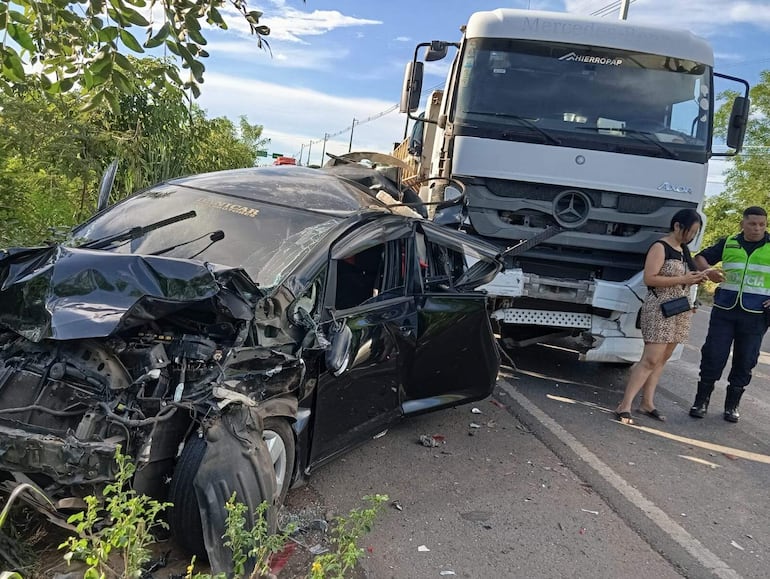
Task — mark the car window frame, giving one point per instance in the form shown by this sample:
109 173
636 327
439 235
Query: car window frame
364 238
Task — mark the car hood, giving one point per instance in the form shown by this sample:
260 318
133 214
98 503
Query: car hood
65 293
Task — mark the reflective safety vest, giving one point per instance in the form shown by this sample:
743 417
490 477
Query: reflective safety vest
747 277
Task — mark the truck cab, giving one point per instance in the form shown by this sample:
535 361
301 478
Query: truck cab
575 139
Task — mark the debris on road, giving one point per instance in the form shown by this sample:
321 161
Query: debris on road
445 573
737 546
396 505
423 549
498 404
474 425
730 456
523 429
492 424
475 410
590 512
318 550
319 525
432 440
582 530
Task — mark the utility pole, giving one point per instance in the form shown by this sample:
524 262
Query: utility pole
624 4
323 151
309 148
352 125
301 151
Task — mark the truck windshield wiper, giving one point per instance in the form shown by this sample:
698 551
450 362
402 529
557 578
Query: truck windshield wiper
136 232
524 122
643 136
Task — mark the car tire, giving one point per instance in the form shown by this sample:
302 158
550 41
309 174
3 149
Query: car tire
279 438
185 516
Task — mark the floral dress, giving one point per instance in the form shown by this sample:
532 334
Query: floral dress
657 329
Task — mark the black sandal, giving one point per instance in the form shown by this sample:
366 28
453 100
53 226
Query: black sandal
653 414
624 417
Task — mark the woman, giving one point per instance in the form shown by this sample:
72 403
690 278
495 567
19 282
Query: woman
669 272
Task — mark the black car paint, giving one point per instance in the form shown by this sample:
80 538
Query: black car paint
228 350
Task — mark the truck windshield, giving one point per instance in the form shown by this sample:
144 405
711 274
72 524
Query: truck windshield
584 96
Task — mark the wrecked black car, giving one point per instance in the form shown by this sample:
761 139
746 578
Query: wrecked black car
232 331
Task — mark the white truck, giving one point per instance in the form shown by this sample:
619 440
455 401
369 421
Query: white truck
581 135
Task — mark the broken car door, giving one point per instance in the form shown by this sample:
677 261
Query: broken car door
367 292
456 359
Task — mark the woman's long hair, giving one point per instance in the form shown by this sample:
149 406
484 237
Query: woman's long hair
686 218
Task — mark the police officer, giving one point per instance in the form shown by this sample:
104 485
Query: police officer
738 316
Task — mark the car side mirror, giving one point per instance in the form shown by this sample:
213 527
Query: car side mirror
338 354
739 118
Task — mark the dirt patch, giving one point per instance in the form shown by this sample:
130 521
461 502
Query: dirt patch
303 507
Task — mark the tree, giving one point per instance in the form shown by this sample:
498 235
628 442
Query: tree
52 154
61 45
748 180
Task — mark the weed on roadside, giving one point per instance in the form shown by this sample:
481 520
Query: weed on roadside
123 525
346 534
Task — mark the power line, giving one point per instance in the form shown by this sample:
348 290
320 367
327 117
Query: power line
608 9
374 117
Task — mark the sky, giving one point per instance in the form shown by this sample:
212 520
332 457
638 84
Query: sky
332 61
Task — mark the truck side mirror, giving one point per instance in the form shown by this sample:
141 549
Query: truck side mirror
436 51
739 118
410 94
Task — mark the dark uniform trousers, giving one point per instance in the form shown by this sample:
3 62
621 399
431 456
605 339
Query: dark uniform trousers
738 328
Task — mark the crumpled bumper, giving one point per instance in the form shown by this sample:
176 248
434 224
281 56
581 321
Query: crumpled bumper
65 460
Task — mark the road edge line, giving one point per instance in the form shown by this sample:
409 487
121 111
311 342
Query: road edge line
695 548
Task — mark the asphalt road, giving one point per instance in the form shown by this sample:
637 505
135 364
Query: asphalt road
551 486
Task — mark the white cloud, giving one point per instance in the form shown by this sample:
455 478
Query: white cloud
283 56
292 25
701 16
402 39
438 67
293 116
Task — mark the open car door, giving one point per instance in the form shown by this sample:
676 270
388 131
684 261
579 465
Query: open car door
456 358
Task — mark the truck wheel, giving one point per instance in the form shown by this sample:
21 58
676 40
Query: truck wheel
279 438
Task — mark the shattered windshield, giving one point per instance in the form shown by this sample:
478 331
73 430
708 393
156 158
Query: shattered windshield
264 239
573 95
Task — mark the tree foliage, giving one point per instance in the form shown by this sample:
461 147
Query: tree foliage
52 153
748 180
61 45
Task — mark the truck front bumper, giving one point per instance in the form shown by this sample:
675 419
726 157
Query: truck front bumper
607 311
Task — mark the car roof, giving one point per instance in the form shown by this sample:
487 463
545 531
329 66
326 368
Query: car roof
300 187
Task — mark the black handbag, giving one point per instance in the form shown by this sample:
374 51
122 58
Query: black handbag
675 307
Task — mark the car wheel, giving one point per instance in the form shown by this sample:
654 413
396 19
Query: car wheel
185 516
279 438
